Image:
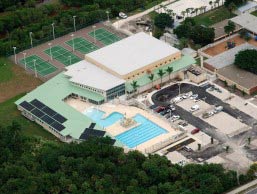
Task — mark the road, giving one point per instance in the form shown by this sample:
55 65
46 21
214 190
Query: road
121 22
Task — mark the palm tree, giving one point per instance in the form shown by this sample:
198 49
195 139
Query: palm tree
169 70
134 85
231 7
151 77
196 10
210 3
161 74
187 11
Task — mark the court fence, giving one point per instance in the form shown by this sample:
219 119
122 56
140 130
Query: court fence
37 42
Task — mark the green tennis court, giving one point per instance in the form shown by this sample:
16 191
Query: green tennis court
62 55
104 36
42 67
82 45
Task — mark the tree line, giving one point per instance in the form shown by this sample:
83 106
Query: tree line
31 165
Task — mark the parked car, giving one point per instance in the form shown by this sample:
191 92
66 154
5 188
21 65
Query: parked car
194 131
177 99
172 108
164 112
194 108
187 149
197 99
218 109
159 109
182 123
122 15
168 116
194 96
175 118
153 106
207 114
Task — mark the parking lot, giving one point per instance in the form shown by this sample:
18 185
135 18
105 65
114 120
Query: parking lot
229 126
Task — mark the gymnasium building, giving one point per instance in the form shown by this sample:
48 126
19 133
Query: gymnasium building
105 74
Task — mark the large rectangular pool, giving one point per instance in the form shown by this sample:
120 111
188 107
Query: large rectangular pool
145 131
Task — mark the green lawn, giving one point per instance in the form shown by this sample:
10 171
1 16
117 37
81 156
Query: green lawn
9 113
254 13
6 73
214 16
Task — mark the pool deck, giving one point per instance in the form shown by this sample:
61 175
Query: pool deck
129 111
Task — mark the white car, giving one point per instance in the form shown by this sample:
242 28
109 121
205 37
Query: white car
177 99
172 108
194 108
194 96
122 15
175 118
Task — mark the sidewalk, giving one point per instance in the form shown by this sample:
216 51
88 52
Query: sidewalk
244 187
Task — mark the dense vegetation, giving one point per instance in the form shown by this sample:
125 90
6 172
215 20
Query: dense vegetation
197 33
19 21
28 165
236 2
247 60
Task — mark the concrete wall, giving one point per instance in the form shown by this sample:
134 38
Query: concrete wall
141 71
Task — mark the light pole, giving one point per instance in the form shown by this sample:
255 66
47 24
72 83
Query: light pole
94 33
35 69
50 47
53 30
24 58
70 59
74 23
31 40
72 38
108 18
15 57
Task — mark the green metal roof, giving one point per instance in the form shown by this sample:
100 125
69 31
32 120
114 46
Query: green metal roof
52 94
178 65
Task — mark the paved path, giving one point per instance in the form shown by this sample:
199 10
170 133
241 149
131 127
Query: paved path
121 22
244 187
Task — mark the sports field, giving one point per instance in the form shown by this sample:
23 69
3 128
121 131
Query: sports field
62 55
82 45
104 36
42 67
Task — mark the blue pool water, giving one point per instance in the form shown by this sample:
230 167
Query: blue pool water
140 134
97 116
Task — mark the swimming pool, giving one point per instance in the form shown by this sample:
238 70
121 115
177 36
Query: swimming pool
145 131
97 116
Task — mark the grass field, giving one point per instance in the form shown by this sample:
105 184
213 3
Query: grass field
6 73
14 80
214 16
62 55
82 45
9 113
254 13
104 36
42 67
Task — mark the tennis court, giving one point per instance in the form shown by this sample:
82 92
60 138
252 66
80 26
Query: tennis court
42 67
62 55
82 45
104 36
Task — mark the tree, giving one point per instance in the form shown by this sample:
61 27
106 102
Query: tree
230 28
161 73
151 77
169 70
247 60
231 7
163 20
235 2
202 35
134 85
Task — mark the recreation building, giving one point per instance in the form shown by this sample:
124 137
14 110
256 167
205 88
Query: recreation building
104 75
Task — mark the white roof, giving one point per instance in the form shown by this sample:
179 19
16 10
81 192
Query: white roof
88 74
247 6
132 53
247 21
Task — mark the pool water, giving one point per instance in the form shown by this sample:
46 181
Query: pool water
97 116
145 131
